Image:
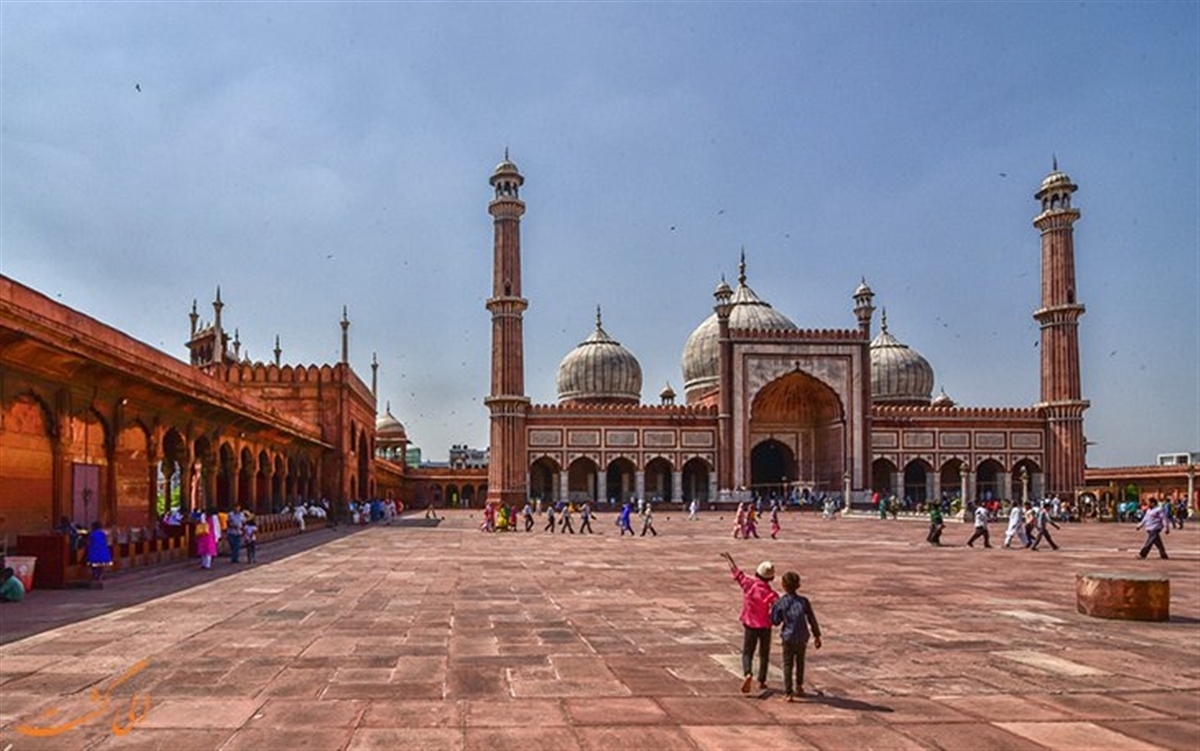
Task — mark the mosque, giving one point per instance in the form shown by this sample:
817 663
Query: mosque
770 407
96 425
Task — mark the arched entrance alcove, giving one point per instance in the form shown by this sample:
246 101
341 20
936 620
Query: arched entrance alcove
695 480
882 473
581 480
658 480
917 478
543 479
987 481
798 434
620 480
1023 480
772 468
952 474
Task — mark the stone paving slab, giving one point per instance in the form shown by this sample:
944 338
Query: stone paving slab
442 637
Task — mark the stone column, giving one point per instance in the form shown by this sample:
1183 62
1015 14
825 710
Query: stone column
677 487
639 484
601 487
1006 488
564 485
898 484
933 481
1191 498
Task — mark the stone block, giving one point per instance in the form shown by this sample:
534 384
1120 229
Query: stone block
1124 596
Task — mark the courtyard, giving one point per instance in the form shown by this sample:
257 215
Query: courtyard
423 636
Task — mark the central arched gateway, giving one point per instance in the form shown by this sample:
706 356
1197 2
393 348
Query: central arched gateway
797 434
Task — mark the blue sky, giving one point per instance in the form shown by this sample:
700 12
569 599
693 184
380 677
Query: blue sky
306 156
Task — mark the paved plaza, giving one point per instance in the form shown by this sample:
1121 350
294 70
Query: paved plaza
441 637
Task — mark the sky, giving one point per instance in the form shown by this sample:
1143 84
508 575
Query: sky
306 156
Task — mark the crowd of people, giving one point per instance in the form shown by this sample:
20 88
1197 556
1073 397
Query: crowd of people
500 517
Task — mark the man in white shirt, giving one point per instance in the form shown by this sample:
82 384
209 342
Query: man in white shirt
981 528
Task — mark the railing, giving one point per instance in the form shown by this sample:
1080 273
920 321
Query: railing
59 565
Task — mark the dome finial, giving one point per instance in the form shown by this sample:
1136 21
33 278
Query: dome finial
1054 161
883 324
598 326
742 269
388 409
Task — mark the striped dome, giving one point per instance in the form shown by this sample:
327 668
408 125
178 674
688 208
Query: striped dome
899 375
700 354
600 370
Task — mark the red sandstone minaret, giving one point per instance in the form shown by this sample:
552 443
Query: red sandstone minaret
1062 399
508 403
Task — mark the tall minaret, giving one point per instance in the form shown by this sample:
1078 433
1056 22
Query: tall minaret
1062 399
507 470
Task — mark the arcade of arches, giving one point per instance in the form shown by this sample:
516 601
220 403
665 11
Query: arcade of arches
919 482
621 480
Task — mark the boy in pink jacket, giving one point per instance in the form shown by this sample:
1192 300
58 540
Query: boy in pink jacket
757 599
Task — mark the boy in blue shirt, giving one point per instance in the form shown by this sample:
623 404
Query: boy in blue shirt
11 588
796 615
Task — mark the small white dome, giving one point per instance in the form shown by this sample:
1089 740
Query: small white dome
388 426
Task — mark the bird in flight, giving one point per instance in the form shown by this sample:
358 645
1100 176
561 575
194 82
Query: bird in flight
137 86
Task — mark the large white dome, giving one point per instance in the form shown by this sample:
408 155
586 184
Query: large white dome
700 354
600 370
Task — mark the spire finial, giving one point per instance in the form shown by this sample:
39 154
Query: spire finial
218 300
883 325
278 351
506 153
345 336
598 317
388 409
742 268
1054 161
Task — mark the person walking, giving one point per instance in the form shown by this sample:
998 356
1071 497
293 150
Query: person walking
775 522
567 526
693 509
981 527
208 535
527 512
550 522
1016 525
1155 523
739 524
585 518
623 520
757 599
250 538
751 524
1043 533
936 525
235 523
795 614
99 555
648 520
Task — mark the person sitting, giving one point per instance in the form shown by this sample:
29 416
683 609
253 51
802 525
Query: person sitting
11 588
